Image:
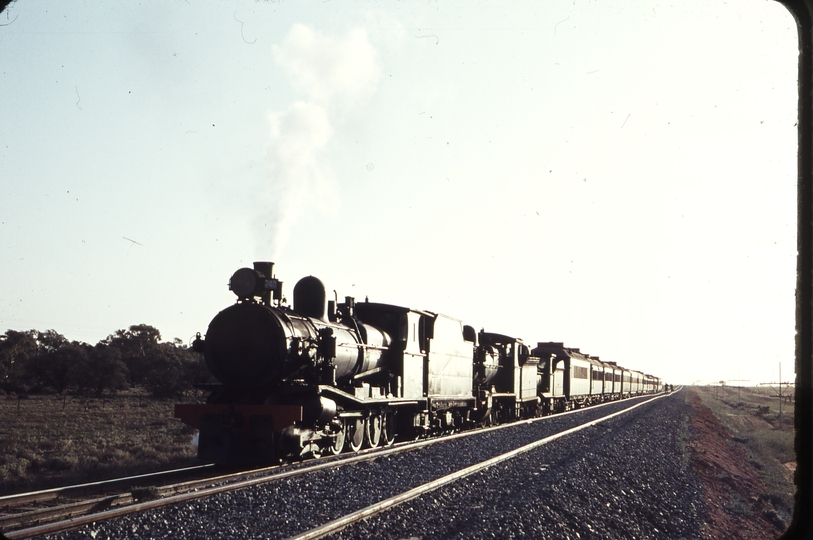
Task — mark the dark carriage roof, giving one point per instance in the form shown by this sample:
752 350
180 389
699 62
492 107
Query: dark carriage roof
501 338
558 348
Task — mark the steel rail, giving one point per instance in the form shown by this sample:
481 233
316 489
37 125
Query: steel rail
77 508
64 511
9 501
379 507
337 461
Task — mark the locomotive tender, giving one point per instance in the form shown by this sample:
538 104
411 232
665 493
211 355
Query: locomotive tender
324 377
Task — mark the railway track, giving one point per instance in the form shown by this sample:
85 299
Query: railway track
41 496
76 513
29 523
111 498
337 525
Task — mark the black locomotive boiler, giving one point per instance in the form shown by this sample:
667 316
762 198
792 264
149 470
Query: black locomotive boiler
324 376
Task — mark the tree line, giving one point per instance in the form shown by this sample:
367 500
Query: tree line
36 362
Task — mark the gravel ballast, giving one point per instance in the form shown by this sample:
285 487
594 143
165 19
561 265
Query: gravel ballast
623 478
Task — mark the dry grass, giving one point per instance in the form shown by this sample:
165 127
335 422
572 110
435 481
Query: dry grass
751 415
47 441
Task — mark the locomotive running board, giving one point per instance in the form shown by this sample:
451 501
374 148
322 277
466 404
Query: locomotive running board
392 402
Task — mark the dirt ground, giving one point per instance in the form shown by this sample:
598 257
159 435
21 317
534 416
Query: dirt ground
732 484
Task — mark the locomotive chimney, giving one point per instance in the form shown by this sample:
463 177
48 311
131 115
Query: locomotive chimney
266 268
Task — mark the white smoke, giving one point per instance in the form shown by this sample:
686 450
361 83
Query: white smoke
326 67
335 73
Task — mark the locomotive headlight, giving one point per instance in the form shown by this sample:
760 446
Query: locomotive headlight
244 283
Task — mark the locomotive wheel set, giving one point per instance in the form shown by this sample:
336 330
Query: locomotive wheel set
325 377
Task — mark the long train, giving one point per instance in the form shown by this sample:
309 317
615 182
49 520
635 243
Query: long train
325 377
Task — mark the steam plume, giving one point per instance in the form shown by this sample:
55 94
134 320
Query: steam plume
335 73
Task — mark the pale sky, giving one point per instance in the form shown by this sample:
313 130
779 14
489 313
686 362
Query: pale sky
620 176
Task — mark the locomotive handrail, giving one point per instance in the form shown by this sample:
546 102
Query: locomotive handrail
362 346
367 373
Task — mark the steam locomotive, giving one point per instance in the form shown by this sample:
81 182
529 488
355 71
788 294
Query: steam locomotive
326 376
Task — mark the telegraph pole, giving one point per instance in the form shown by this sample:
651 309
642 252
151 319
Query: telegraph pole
739 387
779 394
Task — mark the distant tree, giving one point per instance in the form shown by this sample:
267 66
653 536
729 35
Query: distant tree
196 370
17 349
100 370
139 349
32 360
50 341
175 371
52 366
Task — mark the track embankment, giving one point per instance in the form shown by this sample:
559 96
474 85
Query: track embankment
734 494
